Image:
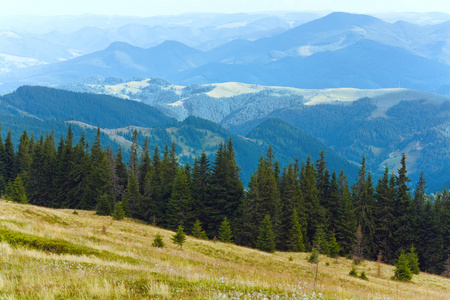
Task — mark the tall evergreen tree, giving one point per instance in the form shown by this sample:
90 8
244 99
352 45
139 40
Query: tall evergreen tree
225 234
291 199
295 238
180 206
266 237
225 188
346 218
2 165
17 191
200 181
145 165
420 231
132 200
98 177
404 211
314 211
8 158
384 196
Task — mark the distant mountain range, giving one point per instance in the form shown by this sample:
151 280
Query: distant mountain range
41 110
382 125
338 50
351 84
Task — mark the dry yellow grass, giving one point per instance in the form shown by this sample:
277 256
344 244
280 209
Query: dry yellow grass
129 268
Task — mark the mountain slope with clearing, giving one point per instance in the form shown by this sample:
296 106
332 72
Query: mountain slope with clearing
100 258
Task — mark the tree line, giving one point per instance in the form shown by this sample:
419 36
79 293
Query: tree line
295 208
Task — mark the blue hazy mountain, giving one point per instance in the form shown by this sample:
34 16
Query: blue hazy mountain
338 50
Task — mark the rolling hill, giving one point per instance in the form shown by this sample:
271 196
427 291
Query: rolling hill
60 253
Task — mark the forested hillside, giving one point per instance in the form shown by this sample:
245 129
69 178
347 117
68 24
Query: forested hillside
296 207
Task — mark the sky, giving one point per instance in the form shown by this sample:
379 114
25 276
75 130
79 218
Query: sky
144 8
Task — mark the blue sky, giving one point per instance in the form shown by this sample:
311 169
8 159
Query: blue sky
172 7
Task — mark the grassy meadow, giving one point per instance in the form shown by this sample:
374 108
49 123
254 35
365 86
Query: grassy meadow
56 254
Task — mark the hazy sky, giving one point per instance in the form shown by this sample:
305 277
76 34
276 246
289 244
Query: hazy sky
172 7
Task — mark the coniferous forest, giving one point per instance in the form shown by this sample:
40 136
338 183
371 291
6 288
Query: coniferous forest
298 207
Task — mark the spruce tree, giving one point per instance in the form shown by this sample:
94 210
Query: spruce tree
179 237
145 165
131 200
384 196
314 211
295 237
346 218
404 211
119 213
17 192
320 241
197 231
105 205
266 237
413 261
333 246
291 199
158 241
180 210
402 270
8 158
225 234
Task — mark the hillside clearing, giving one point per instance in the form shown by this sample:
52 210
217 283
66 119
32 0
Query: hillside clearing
120 263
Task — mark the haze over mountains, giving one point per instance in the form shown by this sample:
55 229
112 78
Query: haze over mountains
337 50
352 84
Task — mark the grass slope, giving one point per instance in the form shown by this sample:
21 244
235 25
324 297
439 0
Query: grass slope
106 259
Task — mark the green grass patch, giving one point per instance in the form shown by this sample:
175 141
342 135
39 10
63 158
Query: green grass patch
16 238
20 239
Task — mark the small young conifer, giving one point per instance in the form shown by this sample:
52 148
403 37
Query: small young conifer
314 257
333 247
118 213
179 237
158 241
225 234
197 231
104 206
295 238
402 270
413 261
353 271
266 237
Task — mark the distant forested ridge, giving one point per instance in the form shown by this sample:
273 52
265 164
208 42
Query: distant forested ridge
293 208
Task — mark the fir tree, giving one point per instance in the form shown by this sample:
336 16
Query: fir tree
314 256
158 241
105 205
197 230
320 240
225 234
8 158
291 199
179 237
384 196
131 200
266 237
413 261
333 246
314 211
346 218
402 270
295 237
119 213
404 211
16 191
180 207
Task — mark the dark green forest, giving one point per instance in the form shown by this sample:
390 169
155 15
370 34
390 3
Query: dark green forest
296 207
